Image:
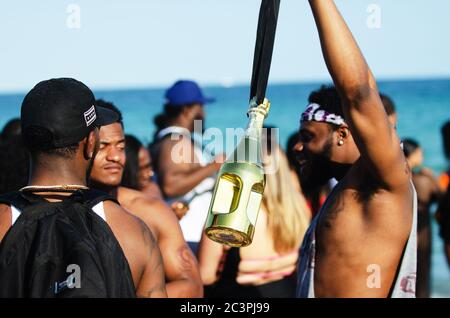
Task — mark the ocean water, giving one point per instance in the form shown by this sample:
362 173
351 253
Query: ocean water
422 105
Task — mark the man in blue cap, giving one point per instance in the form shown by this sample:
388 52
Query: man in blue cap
183 173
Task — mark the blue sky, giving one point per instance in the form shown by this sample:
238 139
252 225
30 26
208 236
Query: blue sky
142 43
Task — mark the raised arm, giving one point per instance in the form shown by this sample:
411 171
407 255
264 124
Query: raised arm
377 141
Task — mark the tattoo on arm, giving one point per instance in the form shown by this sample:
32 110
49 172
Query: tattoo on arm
147 236
187 262
184 278
155 263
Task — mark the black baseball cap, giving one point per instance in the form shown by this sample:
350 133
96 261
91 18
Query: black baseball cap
61 112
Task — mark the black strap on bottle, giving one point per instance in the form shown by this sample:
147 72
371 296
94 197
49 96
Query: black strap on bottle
265 38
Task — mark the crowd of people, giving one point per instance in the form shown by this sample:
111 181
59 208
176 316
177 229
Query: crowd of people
346 210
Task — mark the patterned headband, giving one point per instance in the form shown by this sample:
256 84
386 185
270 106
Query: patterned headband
314 113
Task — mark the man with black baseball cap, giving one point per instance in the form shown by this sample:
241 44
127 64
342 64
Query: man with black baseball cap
63 112
60 127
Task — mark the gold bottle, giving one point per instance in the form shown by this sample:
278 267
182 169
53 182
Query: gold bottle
239 186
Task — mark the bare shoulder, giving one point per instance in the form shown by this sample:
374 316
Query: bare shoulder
137 202
154 212
117 212
127 195
5 210
127 227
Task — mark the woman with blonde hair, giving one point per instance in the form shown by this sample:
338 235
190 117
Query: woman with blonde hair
266 268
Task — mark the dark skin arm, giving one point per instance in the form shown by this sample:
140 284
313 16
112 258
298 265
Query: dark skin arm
178 171
427 187
152 283
434 184
180 266
141 250
209 256
377 141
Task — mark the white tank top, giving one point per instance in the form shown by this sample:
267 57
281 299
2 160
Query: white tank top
98 209
199 198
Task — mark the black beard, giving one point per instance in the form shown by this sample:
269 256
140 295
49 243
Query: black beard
318 170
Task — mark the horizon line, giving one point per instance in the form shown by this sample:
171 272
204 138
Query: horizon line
162 86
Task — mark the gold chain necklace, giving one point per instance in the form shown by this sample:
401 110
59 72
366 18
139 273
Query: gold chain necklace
54 188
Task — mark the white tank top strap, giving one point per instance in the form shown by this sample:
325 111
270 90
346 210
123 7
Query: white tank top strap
172 130
99 209
198 151
15 213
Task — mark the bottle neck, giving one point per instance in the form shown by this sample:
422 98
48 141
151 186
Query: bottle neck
255 124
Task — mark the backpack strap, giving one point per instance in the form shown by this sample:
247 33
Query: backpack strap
92 197
19 200
8 198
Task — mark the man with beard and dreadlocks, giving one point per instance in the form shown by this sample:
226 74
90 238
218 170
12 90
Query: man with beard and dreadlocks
363 241
183 171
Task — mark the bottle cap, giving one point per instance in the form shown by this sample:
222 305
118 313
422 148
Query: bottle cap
261 108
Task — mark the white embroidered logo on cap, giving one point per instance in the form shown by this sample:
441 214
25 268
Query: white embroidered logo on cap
90 116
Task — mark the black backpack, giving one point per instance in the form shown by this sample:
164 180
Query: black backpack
62 249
